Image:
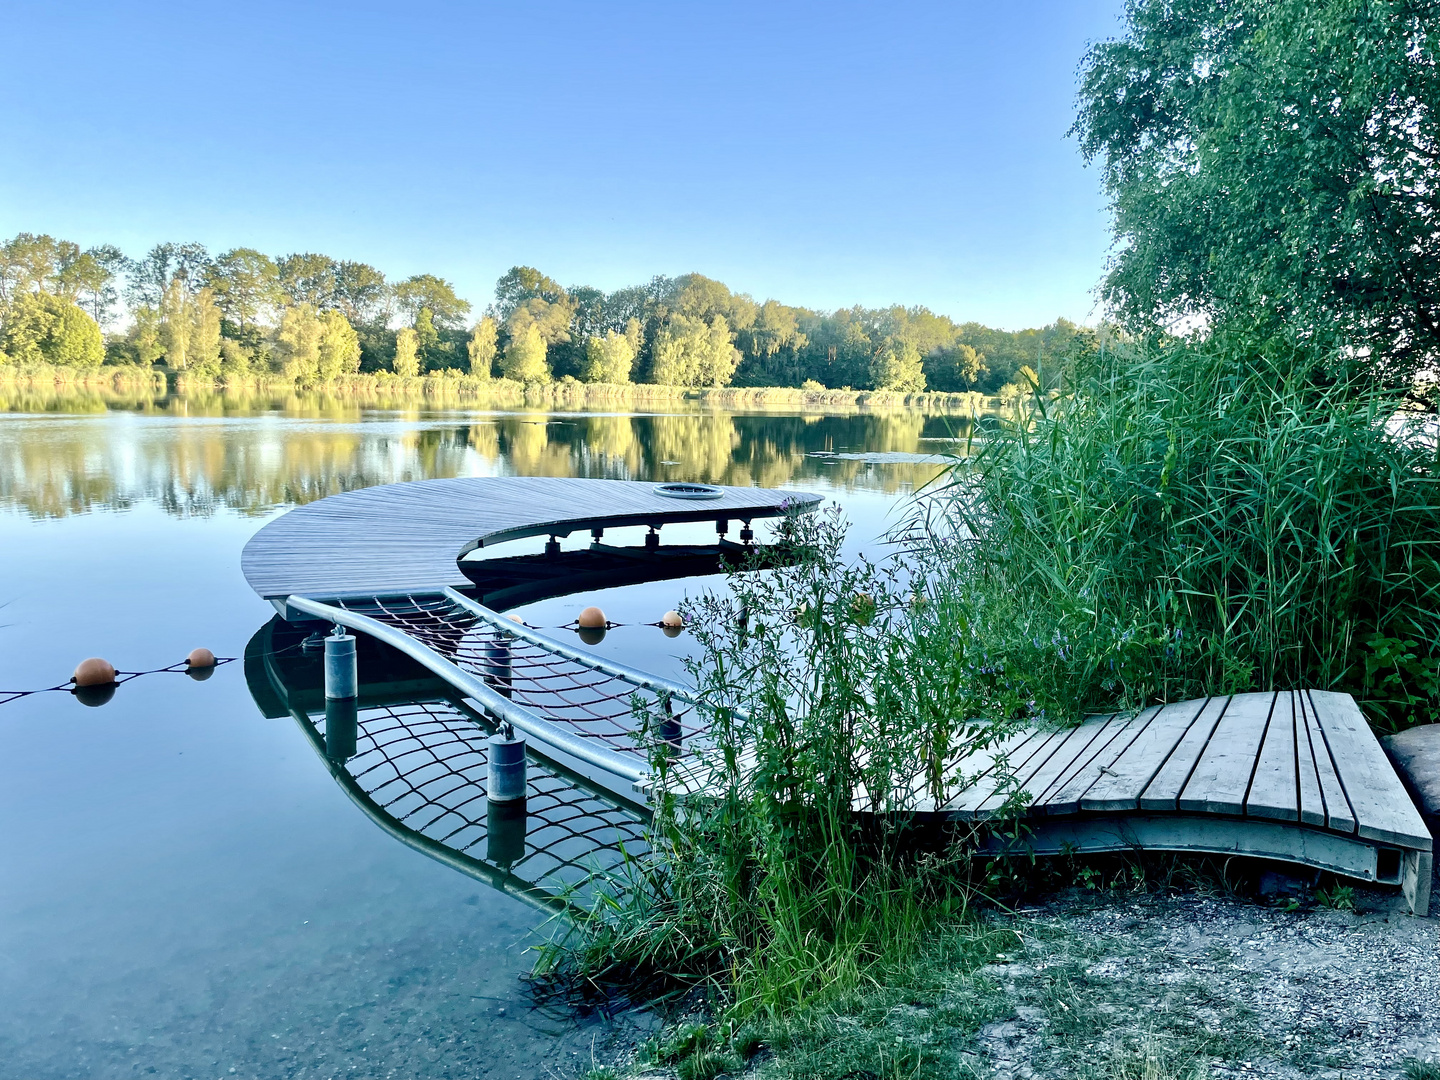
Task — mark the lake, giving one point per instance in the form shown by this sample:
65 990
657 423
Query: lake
184 889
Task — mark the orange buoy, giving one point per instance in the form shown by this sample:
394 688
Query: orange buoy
199 658
592 618
672 619
515 618
94 672
862 607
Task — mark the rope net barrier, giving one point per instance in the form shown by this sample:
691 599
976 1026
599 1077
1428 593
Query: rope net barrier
586 702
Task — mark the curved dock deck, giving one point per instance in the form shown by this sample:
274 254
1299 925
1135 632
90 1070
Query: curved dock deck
395 539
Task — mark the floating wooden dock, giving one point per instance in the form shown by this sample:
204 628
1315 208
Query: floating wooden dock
1294 776
395 539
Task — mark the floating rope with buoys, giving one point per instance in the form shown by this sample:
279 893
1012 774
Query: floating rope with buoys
95 679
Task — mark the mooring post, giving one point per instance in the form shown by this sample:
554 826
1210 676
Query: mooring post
342 677
507 766
669 727
497 664
652 538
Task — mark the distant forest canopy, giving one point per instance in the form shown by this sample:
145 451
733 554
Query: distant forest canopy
313 318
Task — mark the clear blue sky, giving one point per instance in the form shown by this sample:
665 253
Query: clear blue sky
821 154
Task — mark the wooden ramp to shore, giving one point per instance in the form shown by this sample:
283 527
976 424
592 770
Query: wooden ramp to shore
1296 776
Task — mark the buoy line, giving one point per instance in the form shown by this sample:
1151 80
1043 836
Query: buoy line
199 671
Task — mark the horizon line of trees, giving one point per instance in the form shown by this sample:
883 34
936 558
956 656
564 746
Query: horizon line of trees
312 318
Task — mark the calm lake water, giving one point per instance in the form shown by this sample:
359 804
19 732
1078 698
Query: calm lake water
184 889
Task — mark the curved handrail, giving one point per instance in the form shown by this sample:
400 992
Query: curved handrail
496 704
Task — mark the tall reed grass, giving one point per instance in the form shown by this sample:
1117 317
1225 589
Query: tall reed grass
1202 518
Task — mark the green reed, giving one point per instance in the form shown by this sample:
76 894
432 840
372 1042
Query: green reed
1202 518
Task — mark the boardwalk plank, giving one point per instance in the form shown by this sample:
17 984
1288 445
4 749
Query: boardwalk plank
1222 775
1275 789
1339 815
1037 782
1065 798
1128 775
980 798
1307 778
1383 809
1163 792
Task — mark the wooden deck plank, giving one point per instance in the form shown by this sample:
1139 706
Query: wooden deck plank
1275 789
1163 792
1127 777
968 804
1383 809
1307 777
979 768
1222 775
1076 742
1064 797
1339 816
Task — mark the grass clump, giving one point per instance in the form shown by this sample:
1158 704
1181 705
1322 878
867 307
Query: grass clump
1202 518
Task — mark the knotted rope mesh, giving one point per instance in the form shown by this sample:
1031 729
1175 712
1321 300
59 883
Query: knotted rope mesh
586 702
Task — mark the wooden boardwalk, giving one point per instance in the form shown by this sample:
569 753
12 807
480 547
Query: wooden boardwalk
1296 776
401 538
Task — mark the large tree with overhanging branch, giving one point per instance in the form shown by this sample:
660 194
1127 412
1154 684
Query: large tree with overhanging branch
1276 164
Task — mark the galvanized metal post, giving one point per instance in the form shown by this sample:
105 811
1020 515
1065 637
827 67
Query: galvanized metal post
505 824
497 664
507 766
342 677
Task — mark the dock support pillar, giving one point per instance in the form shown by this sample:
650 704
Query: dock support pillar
342 679
652 538
497 665
507 766
747 534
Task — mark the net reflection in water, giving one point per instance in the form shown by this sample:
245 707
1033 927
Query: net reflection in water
424 765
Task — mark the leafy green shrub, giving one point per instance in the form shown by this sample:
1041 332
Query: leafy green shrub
1195 519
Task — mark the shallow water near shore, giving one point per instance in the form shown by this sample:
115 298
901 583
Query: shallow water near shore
184 889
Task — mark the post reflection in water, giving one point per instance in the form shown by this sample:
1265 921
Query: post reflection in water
414 760
252 455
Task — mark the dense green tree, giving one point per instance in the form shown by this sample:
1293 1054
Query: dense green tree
42 328
482 347
163 264
204 338
97 291
246 284
690 352
1273 164
297 343
407 360
361 293
524 359
27 263
339 348
959 367
308 278
897 366
143 336
415 294
608 359
520 284
175 324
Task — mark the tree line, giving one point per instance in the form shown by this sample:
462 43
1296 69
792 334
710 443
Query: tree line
312 318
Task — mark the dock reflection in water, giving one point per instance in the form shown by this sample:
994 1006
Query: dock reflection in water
414 760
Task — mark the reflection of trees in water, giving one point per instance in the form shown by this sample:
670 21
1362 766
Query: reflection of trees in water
254 454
